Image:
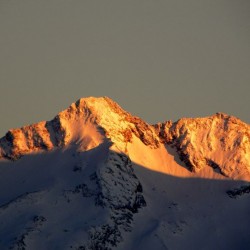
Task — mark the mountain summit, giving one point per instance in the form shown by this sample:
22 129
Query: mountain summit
220 141
97 177
86 122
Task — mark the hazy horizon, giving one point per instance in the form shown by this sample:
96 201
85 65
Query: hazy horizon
158 60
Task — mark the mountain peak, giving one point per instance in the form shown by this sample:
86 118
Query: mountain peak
98 108
219 141
96 103
87 123
107 116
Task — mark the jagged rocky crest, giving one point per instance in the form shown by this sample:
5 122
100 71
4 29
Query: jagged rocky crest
220 141
69 126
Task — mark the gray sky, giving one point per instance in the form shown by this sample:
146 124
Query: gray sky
159 60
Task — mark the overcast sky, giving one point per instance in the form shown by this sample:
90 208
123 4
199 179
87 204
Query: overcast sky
159 60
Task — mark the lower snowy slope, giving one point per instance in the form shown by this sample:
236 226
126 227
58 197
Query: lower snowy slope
68 199
190 213
99 199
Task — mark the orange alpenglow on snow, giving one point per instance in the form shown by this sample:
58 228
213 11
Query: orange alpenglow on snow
214 147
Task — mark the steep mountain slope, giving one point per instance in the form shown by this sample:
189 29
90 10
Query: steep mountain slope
68 199
219 141
85 122
96 177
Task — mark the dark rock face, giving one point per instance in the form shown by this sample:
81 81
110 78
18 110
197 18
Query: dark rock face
115 188
120 192
237 192
35 225
215 166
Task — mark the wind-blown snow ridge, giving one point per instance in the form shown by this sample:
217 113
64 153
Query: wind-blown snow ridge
219 141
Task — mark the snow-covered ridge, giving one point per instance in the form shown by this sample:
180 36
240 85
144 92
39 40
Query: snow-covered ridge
220 141
88 122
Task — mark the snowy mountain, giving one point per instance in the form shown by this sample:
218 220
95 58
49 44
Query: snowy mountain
97 177
219 141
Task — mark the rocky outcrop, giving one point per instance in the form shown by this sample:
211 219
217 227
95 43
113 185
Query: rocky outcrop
238 192
121 193
116 189
219 141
